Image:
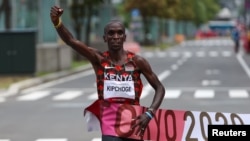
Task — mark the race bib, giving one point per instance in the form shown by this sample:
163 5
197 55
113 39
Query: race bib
114 89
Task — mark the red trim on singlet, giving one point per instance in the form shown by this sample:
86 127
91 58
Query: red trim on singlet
122 100
119 69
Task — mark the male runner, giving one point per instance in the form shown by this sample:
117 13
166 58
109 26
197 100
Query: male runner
117 71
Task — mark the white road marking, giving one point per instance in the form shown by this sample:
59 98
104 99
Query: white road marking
69 95
238 94
244 65
4 140
215 82
33 96
174 67
148 54
210 82
212 72
96 139
174 54
172 94
226 53
50 139
180 62
213 54
93 96
204 94
187 54
2 100
200 54
69 105
59 81
205 82
148 87
161 54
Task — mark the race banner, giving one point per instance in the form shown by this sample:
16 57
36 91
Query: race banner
167 125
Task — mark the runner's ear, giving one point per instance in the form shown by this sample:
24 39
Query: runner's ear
104 38
125 37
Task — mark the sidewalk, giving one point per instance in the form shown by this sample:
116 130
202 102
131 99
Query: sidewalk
15 88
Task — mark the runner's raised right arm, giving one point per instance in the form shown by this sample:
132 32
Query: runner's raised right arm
67 37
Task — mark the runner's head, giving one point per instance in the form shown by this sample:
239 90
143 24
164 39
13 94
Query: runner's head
113 22
114 34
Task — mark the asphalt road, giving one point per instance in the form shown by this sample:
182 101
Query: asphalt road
198 76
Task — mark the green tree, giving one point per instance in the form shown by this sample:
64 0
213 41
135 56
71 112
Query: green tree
148 9
212 7
195 11
162 9
80 10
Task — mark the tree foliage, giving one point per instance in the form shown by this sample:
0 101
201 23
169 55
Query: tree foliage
176 9
196 11
152 8
83 10
80 10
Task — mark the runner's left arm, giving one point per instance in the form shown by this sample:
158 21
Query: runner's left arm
154 81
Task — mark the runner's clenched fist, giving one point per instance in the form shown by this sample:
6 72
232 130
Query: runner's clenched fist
55 14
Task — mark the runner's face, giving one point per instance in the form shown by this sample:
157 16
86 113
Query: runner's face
115 36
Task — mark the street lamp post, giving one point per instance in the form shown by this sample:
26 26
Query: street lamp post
246 8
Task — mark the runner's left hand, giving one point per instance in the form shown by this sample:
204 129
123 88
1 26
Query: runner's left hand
142 123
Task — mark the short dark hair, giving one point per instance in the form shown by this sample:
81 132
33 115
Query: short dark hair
111 22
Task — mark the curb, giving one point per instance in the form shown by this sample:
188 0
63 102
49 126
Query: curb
17 87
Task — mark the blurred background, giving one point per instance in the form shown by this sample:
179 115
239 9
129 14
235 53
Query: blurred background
149 23
45 85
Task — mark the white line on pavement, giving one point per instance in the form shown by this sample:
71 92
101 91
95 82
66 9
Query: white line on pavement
172 94
68 95
238 94
213 54
50 139
243 64
96 139
2 100
148 87
226 54
59 81
93 96
204 94
33 96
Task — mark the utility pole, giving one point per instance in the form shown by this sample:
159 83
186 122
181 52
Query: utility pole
245 9
6 8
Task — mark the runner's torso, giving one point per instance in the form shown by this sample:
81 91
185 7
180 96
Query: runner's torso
119 83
